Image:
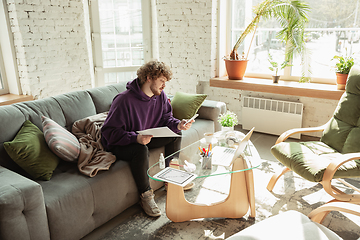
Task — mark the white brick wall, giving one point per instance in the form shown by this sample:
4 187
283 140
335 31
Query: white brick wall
50 45
185 36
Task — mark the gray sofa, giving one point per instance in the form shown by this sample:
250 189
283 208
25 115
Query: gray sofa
71 205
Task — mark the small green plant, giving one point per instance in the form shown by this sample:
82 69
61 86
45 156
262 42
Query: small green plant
344 64
275 65
228 119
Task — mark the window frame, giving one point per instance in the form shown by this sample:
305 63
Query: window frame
225 46
9 71
3 78
99 69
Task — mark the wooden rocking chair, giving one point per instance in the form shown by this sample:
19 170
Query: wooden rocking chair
336 155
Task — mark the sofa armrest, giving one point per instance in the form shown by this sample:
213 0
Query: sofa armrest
22 208
211 110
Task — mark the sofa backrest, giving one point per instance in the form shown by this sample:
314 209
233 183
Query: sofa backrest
11 120
74 106
64 109
103 96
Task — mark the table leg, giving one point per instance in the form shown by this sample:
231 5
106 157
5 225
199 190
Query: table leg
236 205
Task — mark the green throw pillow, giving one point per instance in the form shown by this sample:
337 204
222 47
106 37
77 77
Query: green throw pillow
185 105
30 151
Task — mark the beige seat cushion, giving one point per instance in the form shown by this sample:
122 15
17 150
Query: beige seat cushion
284 226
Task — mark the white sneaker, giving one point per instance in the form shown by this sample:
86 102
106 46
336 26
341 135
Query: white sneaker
148 203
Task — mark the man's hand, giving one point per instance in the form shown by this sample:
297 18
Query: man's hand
143 139
185 126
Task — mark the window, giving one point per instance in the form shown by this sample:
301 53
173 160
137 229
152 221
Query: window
333 29
3 86
121 38
5 50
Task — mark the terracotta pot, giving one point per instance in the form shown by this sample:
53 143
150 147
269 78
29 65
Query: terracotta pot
236 68
341 80
275 79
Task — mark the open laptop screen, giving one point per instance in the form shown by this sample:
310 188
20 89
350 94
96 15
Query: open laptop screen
225 156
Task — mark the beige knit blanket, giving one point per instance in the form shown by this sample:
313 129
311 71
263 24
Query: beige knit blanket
92 157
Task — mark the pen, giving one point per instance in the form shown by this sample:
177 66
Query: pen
200 150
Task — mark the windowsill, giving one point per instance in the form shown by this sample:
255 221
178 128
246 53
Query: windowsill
8 99
314 90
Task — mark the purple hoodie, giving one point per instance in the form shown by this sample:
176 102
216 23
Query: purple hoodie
131 111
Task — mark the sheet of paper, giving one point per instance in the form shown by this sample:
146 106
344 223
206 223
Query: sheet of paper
159 132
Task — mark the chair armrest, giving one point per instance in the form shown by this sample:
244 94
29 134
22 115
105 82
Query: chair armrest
288 133
329 174
318 214
22 208
211 110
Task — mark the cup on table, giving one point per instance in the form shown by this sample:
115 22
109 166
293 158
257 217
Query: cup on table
208 137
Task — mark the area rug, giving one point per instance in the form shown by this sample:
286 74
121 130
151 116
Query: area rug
290 193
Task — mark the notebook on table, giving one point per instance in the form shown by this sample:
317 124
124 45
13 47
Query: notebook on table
225 156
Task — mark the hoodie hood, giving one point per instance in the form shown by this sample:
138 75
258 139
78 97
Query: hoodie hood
135 88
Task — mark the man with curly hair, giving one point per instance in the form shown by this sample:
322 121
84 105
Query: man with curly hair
142 106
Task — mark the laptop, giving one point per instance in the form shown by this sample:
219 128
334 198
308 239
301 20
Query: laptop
225 156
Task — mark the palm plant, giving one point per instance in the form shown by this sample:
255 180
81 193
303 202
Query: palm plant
292 17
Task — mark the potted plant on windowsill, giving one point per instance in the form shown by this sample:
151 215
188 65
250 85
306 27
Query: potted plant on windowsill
342 69
291 15
275 66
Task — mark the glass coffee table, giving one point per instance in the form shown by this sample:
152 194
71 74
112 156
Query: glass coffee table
220 191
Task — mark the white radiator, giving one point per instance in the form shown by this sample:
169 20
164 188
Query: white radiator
271 116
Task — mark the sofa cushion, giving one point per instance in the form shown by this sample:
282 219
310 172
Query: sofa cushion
74 106
120 86
22 209
33 110
61 142
11 119
76 204
30 151
103 96
185 105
